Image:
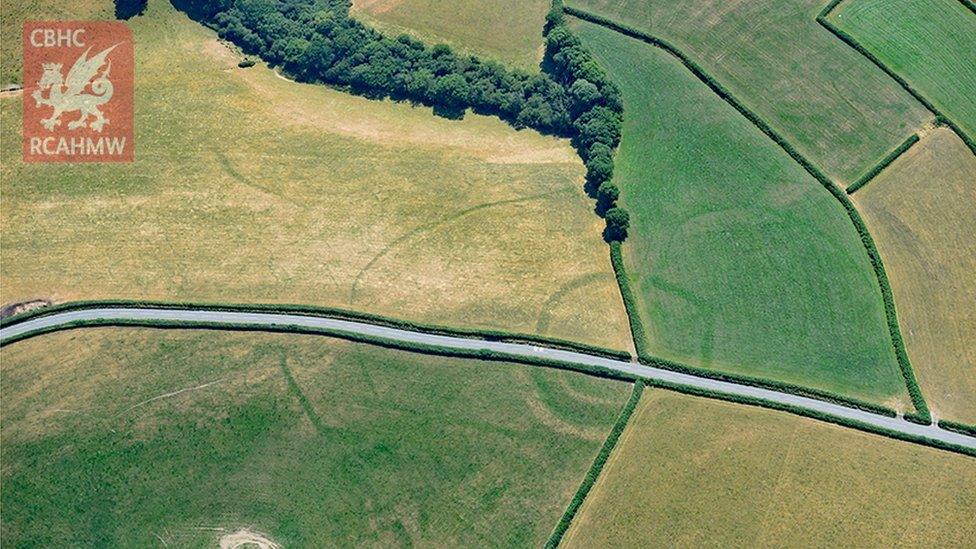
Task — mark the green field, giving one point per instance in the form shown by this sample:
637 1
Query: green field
506 30
133 437
922 211
824 97
250 188
742 261
929 43
691 472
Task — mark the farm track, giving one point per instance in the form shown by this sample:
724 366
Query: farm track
516 352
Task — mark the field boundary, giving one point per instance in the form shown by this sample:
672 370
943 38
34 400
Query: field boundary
922 414
885 162
850 41
957 427
630 300
596 467
326 312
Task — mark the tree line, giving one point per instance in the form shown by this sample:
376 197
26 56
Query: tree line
317 41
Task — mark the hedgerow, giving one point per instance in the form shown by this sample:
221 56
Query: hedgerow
875 258
315 41
596 467
629 298
885 162
957 427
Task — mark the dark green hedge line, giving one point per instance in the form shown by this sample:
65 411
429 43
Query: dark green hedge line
330 312
630 300
885 162
853 424
957 427
889 304
778 386
850 41
596 467
481 354
921 419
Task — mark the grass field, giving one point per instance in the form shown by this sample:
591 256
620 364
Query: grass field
825 98
742 261
506 30
929 43
249 188
692 472
922 211
137 437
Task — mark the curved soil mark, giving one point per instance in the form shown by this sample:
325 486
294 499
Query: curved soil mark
436 225
246 538
241 178
545 316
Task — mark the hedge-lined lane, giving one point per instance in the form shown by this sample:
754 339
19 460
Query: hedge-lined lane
519 352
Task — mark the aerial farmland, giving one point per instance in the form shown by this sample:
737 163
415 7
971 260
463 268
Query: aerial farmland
540 273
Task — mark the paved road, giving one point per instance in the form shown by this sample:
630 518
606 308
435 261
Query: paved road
518 349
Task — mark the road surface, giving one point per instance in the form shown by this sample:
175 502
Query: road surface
269 319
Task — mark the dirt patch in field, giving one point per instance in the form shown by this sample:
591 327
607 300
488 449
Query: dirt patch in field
246 538
23 307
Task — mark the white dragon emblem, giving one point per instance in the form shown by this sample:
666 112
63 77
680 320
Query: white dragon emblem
65 95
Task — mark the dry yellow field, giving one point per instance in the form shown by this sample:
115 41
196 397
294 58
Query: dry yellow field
693 472
922 212
250 188
509 31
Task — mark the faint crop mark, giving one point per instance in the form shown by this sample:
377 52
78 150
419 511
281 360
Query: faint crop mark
435 225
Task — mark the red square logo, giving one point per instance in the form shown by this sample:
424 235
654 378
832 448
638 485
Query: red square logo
78 91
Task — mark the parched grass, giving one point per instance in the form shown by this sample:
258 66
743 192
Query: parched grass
689 472
506 30
249 188
929 43
742 262
922 211
830 102
11 29
136 437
